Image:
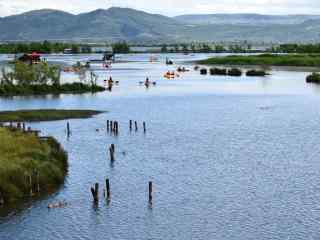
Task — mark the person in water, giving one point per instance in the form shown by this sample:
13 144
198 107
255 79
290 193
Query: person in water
110 84
147 82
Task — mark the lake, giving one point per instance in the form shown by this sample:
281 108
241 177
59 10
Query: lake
230 158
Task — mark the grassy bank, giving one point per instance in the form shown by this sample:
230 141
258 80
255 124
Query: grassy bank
28 163
43 89
38 115
298 60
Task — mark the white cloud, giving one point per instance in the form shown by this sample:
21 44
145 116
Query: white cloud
168 7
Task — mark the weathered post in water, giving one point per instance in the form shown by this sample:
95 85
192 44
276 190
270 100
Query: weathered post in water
150 192
95 192
108 188
136 125
116 127
111 126
68 129
130 125
144 127
108 125
111 152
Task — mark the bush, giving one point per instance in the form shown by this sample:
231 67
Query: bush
256 73
203 71
313 78
218 71
235 72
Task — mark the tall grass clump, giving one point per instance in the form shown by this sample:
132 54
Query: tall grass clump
24 156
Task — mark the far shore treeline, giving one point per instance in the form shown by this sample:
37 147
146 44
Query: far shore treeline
48 47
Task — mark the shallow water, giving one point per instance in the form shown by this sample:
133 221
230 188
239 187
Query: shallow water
230 158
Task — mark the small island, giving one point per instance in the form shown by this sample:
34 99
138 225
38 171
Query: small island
29 165
297 60
40 78
38 115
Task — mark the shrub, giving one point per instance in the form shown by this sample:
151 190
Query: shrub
313 78
203 71
218 71
256 73
235 72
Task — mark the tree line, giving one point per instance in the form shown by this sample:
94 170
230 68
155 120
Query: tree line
296 48
43 47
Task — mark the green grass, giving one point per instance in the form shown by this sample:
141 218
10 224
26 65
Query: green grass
21 156
43 89
299 60
38 115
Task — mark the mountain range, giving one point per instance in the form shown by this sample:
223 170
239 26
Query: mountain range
116 24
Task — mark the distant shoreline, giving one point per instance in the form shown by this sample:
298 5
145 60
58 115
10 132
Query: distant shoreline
267 60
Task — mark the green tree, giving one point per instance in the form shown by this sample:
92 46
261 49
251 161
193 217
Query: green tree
121 47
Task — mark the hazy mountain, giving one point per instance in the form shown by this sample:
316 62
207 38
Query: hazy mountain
132 25
245 19
114 23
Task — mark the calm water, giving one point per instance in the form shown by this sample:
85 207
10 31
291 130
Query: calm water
230 158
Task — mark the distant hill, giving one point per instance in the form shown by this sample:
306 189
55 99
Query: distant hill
115 24
246 19
110 24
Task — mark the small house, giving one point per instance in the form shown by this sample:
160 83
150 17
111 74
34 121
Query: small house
32 58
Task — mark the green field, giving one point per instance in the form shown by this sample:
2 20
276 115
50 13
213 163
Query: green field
38 115
298 60
25 157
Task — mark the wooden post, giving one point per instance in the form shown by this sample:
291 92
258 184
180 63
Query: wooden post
108 188
117 128
108 125
150 192
130 125
136 125
144 127
68 129
113 147
95 192
96 189
1 199
111 126
38 184
30 182
111 151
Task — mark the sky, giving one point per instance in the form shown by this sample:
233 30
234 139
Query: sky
168 7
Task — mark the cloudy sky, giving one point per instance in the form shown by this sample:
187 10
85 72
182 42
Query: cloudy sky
168 7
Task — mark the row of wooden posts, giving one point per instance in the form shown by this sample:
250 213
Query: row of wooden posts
107 191
34 187
113 126
20 126
136 126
